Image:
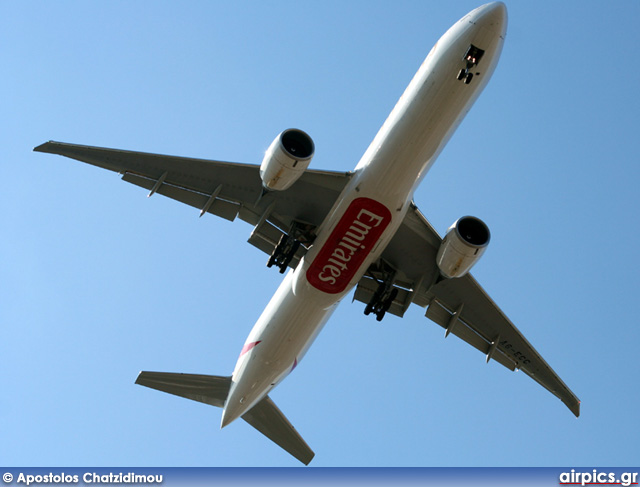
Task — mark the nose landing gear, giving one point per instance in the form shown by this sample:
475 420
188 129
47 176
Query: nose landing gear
471 58
465 75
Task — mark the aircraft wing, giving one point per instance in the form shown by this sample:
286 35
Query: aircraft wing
459 305
225 189
232 190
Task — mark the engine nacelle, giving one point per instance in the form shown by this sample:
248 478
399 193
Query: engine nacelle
462 246
286 159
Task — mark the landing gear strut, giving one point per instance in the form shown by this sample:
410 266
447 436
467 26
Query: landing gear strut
383 297
283 252
288 245
471 58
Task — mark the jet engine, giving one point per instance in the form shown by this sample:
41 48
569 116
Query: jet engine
463 245
286 159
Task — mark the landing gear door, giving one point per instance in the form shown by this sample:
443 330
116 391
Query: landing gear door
473 56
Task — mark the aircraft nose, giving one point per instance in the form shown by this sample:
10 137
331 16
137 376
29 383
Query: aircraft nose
493 16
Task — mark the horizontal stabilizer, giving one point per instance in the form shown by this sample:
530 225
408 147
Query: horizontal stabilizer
213 390
209 389
269 420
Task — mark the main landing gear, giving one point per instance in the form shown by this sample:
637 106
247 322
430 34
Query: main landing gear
283 252
471 58
288 245
383 297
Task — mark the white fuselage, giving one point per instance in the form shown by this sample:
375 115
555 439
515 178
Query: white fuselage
370 209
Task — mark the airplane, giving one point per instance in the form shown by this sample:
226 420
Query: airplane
335 232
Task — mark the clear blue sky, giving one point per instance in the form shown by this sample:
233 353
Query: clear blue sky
98 282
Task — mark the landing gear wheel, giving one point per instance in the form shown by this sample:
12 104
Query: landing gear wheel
288 256
462 74
468 79
382 300
283 253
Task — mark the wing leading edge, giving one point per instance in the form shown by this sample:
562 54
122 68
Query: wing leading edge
225 189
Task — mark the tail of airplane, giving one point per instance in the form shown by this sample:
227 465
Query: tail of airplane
213 390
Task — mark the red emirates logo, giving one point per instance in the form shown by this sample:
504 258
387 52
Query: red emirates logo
351 241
